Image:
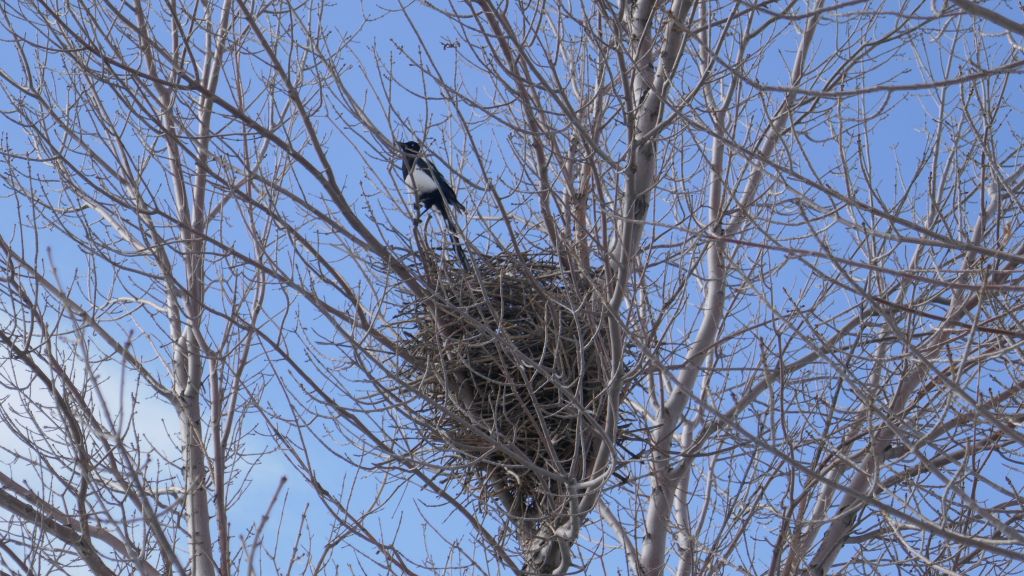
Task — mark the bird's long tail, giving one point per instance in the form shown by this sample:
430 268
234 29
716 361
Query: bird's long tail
453 232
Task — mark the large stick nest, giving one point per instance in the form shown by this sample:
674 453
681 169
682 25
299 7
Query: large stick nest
510 364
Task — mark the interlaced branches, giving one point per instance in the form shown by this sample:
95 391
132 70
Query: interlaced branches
507 389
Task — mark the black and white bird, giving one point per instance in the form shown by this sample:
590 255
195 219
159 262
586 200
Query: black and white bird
431 189
426 181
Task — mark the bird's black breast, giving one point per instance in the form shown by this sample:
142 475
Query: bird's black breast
406 166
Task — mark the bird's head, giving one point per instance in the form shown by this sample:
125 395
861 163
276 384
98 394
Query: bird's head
410 148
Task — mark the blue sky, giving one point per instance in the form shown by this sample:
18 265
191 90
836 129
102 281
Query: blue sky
378 68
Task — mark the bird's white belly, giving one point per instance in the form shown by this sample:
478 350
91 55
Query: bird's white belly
420 181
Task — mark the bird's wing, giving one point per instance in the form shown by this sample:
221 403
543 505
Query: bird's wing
446 189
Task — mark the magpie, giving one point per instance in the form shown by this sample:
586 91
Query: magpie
431 189
426 181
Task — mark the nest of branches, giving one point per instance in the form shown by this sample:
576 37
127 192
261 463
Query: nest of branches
510 364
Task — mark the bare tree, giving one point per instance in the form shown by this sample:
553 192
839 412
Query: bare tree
742 293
